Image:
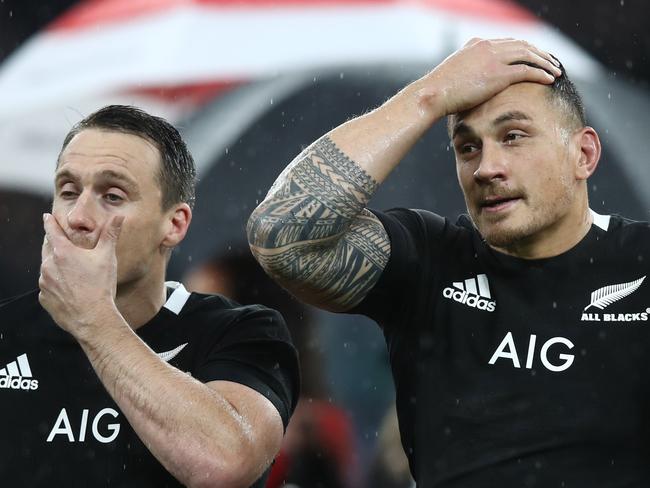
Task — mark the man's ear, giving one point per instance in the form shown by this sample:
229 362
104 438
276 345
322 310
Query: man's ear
589 146
178 220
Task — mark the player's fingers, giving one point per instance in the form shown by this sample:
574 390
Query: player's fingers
46 249
522 72
111 232
524 51
472 41
53 232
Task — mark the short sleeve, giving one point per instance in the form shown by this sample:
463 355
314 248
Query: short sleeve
256 350
414 238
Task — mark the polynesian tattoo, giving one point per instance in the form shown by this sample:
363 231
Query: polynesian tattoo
313 234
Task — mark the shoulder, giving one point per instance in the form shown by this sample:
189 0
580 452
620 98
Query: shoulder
622 230
212 311
422 230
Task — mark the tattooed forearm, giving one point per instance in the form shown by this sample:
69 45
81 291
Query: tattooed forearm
313 233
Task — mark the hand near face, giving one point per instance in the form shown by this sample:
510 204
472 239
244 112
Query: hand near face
78 285
484 68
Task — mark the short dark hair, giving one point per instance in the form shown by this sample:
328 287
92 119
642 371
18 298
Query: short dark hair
177 174
562 91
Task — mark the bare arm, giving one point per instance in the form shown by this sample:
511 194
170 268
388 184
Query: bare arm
315 221
219 434
312 232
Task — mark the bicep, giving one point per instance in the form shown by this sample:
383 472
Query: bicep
334 273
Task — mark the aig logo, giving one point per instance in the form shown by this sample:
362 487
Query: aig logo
100 428
560 361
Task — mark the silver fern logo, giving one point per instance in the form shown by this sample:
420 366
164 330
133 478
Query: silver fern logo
609 294
605 296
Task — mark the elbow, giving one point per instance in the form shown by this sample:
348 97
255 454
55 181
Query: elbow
234 472
259 229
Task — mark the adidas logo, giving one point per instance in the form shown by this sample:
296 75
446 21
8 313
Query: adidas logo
473 292
17 375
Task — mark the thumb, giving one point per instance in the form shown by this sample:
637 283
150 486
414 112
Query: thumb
111 232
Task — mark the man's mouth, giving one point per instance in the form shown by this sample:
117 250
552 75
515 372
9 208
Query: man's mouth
498 203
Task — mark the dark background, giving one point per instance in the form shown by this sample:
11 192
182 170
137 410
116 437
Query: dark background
614 31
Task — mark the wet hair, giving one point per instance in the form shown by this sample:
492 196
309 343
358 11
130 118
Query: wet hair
177 174
562 92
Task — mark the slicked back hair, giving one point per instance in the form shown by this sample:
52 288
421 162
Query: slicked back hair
176 175
562 92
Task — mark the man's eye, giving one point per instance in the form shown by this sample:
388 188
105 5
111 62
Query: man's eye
513 136
67 194
113 198
467 148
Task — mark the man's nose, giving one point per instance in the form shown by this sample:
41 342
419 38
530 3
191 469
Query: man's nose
82 216
492 165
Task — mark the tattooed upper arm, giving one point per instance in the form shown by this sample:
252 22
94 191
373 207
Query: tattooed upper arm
313 233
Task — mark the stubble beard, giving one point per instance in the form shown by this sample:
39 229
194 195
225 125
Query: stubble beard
540 216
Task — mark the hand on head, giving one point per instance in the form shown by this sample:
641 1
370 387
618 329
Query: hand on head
483 68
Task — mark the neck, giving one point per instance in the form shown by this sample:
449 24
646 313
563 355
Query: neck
555 239
139 301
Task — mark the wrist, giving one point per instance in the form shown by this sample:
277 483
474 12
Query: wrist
430 98
98 320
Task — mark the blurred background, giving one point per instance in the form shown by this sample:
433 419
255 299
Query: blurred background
251 83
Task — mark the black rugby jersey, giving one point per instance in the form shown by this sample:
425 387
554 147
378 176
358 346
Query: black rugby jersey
59 426
513 372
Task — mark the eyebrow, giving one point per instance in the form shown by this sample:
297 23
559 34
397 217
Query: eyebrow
508 116
462 129
129 183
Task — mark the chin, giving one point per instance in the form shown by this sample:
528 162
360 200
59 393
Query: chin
503 235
